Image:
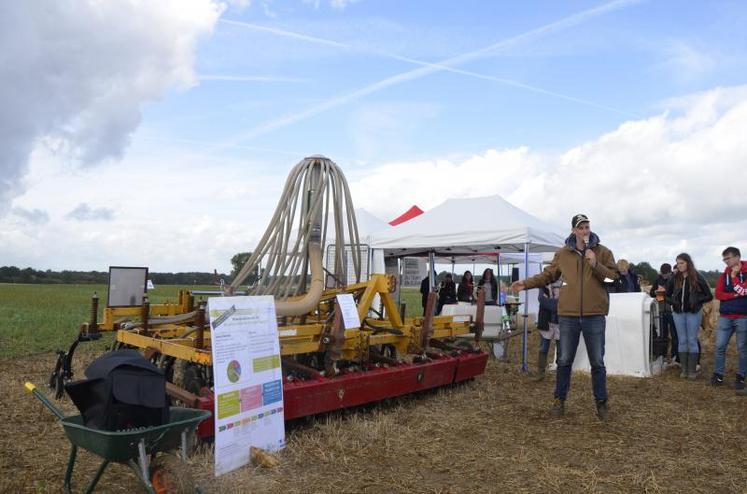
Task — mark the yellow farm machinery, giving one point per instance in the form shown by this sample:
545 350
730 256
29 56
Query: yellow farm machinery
325 366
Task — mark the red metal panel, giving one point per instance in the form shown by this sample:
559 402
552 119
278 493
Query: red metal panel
206 429
470 365
302 398
311 397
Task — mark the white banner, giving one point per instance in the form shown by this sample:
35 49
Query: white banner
248 379
349 310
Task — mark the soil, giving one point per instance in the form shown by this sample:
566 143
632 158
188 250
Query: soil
493 434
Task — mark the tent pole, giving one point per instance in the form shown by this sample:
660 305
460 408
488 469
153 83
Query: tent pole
524 367
400 277
498 268
432 270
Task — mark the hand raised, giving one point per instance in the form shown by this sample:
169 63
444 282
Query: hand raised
591 257
517 286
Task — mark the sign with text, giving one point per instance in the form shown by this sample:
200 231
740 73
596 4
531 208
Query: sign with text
346 303
248 379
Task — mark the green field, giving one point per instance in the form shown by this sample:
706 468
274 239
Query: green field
44 318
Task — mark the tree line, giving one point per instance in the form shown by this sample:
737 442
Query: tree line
13 274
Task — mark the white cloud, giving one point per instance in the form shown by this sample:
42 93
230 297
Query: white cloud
653 187
84 212
688 62
74 75
175 211
341 4
335 4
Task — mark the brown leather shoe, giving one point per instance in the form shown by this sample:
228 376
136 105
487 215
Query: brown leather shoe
558 408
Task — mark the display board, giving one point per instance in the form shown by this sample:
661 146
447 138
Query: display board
248 379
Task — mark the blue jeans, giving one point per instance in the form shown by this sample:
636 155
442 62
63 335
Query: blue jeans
544 345
727 327
688 327
571 329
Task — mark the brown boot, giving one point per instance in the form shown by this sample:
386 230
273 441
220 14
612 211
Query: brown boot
558 408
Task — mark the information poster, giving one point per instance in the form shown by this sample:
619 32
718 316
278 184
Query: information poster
248 379
349 311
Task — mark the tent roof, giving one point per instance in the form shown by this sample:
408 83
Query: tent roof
368 223
469 227
407 215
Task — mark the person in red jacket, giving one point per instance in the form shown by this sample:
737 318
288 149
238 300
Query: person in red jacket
731 291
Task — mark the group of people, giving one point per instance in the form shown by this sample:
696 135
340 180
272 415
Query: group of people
449 293
583 267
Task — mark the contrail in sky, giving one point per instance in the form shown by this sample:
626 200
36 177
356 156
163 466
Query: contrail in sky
430 68
446 68
248 78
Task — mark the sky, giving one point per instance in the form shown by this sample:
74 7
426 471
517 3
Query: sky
160 134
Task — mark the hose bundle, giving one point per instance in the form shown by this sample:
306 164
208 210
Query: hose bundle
315 191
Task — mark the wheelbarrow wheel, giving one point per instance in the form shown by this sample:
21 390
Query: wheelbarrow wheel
170 475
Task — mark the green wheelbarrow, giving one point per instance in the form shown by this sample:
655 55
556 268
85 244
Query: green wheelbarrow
130 447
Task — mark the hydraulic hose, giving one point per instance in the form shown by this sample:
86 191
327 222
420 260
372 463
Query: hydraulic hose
294 241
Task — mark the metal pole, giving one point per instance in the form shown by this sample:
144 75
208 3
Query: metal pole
524 367
498 261
432 270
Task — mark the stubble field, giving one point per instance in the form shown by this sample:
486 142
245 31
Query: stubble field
493 434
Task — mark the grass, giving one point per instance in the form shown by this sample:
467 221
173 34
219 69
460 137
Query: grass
42 318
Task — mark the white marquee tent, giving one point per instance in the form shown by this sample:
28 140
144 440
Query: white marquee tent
468 228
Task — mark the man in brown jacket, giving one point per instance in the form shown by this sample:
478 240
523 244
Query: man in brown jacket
584 264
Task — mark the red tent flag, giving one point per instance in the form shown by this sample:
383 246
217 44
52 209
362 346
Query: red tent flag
406 216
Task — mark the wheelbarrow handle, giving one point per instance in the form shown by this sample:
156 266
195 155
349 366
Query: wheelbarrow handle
32 389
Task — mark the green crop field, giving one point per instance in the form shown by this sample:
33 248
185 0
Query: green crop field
45 318
42 318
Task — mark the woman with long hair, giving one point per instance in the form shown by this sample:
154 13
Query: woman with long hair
466 288
491 292
687 291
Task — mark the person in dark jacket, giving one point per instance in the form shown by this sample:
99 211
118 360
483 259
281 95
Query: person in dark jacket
491 293
666 323
425 289
731 291
687 291
547 324
465 292
446 292
628 280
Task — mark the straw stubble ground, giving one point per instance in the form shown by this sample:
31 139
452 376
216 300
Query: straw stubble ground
490 435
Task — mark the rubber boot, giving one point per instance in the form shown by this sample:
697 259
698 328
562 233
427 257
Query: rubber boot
541 366
684 360
692 366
